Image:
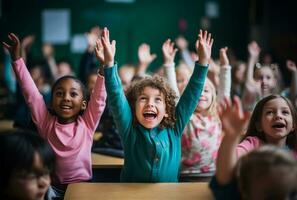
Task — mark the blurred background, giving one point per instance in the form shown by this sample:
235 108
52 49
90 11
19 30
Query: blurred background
64 24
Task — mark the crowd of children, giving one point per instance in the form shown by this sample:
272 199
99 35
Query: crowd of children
203 120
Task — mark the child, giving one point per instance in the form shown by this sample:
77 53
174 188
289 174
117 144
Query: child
202 135
273 121
69 126
149 124
265 173
261 83
26 163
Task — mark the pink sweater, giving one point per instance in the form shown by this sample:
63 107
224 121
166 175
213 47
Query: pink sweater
71 142
250 143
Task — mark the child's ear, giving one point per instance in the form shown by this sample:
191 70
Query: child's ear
84 105
166 115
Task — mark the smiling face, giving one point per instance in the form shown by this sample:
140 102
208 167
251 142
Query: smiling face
267 79
276 121
68 100
206 98
150 107
29 185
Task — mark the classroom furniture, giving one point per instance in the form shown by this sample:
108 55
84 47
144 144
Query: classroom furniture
106 168
6 125
138 191
106 162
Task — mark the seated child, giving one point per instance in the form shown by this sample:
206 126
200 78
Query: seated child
149 123
263 174
70 123
26 163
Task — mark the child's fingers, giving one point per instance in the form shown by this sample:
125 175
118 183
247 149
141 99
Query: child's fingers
205 35
197 44
6 46
14 38
175 50
238 107
211 42
107 33
208 38
113 44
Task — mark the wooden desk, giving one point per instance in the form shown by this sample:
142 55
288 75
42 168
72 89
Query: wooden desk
103 161
6 125
138 191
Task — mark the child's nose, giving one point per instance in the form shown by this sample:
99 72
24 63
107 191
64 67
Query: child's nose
66 96
150 103
278 115
43 181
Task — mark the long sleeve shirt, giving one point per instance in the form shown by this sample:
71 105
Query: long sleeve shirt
152 155
71 142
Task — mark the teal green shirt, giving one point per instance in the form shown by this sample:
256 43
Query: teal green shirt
151 155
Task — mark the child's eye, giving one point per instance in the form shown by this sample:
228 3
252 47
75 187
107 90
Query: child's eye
269 112
58 93
73 94
142 98
286 112
158 99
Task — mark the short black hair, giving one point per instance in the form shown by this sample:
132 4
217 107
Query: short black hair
82 86
17 151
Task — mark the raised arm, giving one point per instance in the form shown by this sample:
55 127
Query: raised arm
145 58
224 88
31 93
117 100
233 122
169 53
293 87
189 99
254 52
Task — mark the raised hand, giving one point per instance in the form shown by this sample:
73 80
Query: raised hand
254 49
233 119
15 48
291 66
224 61
168 52
144 54
27 41
92 37
105 51
203 47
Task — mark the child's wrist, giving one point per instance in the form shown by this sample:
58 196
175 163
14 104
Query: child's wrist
203 62
168 64
109 64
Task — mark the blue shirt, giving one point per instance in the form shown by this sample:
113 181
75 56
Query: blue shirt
152 155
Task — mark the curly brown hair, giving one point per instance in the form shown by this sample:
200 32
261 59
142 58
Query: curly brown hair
159 83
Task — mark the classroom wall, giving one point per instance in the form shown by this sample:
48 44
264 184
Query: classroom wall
147 21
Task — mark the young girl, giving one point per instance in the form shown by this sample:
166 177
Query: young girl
265 173
273 121
202 135
260 82
26 163
69 126
149 124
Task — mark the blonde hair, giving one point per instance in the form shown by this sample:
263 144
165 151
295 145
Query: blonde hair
212 109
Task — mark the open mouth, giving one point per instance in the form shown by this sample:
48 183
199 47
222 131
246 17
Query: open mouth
65 107
149 115
279 125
